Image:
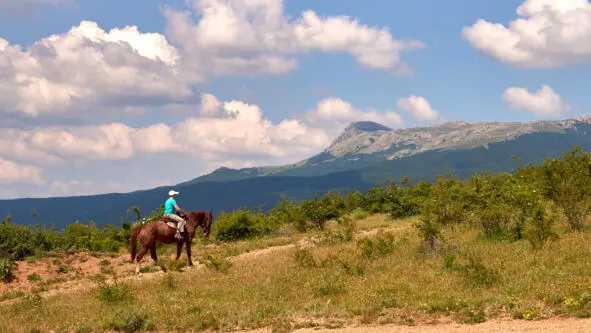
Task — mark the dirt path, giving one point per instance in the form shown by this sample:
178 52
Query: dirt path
562 325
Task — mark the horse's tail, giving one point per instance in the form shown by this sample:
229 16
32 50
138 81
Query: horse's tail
133 241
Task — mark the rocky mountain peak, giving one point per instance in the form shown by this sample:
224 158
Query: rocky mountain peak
366 126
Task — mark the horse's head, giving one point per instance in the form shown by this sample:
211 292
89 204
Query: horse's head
202 219
208 223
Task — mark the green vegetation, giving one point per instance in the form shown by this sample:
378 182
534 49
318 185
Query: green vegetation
19 242
470 250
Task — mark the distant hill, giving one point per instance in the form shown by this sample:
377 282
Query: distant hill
364 154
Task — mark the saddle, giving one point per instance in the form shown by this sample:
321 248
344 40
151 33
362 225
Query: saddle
172 223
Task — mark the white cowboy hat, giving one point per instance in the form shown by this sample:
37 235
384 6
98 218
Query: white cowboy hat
171 193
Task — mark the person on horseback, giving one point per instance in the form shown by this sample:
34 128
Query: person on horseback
170 211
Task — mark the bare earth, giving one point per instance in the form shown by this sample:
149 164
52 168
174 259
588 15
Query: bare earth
493 325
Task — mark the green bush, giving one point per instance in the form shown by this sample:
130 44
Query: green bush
286 212
130 321
320 210
6 273
241 224
114 292
381 244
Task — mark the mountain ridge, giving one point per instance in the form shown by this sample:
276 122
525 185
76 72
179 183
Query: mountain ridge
364 143
357 169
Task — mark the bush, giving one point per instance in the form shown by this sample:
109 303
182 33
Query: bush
6 273
567 182
114 292
241 224
319 211
130 321
286 212
381 244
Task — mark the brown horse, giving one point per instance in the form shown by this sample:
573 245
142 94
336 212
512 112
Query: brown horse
158 231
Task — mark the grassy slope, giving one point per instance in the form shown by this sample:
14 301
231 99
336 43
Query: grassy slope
324 281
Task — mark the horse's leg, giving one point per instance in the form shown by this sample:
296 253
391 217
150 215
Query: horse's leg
139 257
179 248
155 257
188 240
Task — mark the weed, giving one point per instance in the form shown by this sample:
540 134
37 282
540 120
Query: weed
62 269
381 244
304 258
408 321
11 295
216 263
473 316
33 277
130 321
114 292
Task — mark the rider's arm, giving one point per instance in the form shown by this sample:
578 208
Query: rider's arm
179 209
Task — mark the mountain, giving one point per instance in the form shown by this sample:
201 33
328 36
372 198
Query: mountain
367 144
365 153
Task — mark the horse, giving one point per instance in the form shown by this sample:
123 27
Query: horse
159 231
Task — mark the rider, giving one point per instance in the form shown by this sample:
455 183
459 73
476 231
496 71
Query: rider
170 209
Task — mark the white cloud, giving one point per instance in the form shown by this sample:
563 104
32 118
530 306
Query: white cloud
543 103
335 113
418 107
88 69
104 142
548 34
11 172
254 36
239 131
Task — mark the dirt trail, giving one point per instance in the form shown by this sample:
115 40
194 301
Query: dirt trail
562 325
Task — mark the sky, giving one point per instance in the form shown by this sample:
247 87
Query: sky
116 96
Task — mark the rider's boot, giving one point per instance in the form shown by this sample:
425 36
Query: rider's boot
178 235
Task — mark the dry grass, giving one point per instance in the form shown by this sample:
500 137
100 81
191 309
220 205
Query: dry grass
377 277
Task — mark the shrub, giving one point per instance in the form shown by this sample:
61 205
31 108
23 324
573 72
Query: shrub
429 226
6 273
130 321
241 224
381 244
319 211
304 258
114 292
539 227
33 277
217 263
288 212
567 182
476 273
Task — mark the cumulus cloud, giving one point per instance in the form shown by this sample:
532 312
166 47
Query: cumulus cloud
88 69
548 34
252 36
334 113
238 131
543 103
418 107
11 172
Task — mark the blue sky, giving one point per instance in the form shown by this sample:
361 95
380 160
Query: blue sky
89 111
